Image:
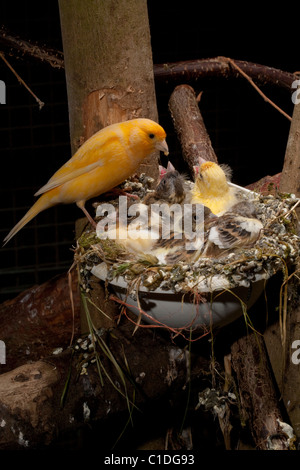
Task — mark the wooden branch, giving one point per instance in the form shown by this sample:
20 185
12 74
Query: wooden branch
193 70
249 79
12 44
290 183
290 180
258 398
189 126
183 71
21 81
291 378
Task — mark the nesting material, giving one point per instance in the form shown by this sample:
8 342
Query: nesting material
277 247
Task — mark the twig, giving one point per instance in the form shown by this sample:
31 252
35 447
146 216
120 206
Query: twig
40 103
232 62
72 301
12 43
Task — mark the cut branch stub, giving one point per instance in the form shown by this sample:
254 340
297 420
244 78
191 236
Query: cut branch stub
191 131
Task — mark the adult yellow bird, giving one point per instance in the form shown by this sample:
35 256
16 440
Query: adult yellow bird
211 188
104 161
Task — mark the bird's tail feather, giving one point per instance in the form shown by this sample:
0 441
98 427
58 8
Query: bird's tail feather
41 204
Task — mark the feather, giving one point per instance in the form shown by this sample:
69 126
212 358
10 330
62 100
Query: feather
232 230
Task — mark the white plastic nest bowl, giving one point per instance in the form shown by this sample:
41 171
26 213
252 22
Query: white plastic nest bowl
175 310
217 303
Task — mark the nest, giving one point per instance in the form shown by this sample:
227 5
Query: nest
276 249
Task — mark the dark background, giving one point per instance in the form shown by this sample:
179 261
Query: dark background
246 132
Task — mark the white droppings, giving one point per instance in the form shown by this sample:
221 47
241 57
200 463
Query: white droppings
22 441
86 412
57 351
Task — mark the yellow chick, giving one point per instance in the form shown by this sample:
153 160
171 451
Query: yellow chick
211 189
104 161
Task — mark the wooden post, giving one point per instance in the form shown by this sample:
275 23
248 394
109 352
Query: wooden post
108 63
284 343
290 177
109 72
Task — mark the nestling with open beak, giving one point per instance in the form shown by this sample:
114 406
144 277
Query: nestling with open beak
211 188
171 188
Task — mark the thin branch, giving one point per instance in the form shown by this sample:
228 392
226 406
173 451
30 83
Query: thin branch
232 62
40 103
182 71
13 43
193 70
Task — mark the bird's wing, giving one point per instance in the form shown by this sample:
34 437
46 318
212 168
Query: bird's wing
92 154
229 233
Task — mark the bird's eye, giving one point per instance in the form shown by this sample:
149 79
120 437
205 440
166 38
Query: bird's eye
151 136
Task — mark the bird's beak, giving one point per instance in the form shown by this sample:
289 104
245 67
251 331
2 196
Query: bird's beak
162 146
201 160
170 167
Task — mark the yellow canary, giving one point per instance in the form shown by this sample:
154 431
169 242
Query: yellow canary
104 161
211 189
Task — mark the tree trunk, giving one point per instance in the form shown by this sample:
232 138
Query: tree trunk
290 178
109 72
284 341
108 63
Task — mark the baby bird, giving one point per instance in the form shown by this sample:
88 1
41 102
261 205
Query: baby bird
104 161
170 188
127 226
211 188
235 229
187 236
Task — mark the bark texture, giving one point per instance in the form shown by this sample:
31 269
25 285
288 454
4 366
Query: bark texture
193 70
39 320
258 397
190 127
